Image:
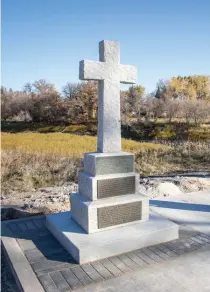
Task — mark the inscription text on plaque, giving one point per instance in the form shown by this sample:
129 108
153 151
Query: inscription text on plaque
119 214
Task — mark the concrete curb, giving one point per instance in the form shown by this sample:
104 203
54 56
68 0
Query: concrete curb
24 275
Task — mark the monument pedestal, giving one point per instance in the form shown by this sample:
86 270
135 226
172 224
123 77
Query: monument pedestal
95 246
108 215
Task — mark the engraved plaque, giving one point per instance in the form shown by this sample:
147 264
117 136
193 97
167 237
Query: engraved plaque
119 214
115 164
115 187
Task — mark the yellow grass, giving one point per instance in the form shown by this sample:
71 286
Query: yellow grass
64 144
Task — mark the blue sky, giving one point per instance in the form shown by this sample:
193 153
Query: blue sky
48 38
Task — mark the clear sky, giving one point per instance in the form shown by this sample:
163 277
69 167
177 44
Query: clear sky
48 38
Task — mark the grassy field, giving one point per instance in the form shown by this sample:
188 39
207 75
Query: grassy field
33 160
65 144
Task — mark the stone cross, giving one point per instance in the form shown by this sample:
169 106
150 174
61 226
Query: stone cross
110 73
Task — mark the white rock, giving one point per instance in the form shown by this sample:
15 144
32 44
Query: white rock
54 200
167 189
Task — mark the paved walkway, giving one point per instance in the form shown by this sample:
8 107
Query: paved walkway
189 272
192 209
183 265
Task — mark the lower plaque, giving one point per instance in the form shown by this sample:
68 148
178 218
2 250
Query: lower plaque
119 214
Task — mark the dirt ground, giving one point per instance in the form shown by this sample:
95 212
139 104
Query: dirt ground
55 199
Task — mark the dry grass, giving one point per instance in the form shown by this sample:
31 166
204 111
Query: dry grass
65 144
22 171
33 160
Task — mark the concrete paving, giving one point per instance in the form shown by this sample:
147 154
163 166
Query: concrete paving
191 209
190 272
180 265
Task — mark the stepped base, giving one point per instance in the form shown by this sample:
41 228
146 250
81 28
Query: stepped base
90 247
112 212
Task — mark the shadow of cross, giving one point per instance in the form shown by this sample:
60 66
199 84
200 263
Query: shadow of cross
110 73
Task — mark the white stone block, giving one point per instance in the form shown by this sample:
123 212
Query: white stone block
96 246
108 163
88 184
85 213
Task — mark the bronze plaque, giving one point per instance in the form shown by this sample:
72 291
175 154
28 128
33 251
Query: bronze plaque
119 214
115 164
115 187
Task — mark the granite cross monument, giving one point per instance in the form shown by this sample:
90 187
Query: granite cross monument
108 215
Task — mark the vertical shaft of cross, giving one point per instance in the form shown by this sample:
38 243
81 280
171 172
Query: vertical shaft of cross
109 126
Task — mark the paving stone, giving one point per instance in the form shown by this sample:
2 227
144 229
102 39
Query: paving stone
167 250
44 243
101 270
182 246
144 257
59 281
128 262
48 283
172 248
33 255
136 259
23 227
185 231
58 267
187 243
152 255
48 263
40 223
205 235
179 243
38 234
30 224
15 229
182 249
204 238
92 273
81 275
194 245
36 255
119 264
26 244
110 267
198 240
158 252
71 279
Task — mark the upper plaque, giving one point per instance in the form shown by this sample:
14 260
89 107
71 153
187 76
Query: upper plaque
109 164
112 165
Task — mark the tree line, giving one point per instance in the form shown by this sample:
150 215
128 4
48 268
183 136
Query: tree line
185 98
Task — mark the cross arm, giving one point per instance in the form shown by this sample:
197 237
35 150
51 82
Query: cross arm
128 74
91 70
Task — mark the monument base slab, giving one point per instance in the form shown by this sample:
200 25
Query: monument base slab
95 246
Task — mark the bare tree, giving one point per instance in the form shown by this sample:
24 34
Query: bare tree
70 90
172 108
43 87
196 111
